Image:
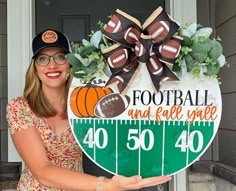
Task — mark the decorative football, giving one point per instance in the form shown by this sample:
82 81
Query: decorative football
170 49
159 30
114 25
132 35
111 105
118 58
139 49
155 65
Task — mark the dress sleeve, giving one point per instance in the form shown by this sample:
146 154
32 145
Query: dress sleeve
19 116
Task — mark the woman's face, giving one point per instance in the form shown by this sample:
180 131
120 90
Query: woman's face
52 67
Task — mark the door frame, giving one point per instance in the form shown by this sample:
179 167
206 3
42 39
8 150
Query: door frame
21 29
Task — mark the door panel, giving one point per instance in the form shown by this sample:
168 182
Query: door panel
77 18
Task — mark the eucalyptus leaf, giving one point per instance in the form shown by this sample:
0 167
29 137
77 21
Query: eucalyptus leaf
189 31
91 69
76 72
202 34
106 42
87 51
221 60
185 32
96 38
192 28
204 69
187 41
77 69
83 61
73 60
184 68
107 70
190 63
216 49
212 69
102 46
78 75
200 51
189 59
86 43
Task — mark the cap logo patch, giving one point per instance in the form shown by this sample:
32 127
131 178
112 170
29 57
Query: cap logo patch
49 36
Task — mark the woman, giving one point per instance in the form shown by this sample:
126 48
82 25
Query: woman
40 129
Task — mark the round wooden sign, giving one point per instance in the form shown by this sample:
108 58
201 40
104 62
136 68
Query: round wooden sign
142 131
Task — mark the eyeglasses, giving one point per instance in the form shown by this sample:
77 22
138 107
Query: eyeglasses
44 59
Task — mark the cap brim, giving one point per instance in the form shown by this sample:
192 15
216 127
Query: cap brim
49 46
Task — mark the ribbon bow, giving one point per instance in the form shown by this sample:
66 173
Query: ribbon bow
153 44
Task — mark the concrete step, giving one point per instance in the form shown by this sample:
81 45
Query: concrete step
9 175
10 167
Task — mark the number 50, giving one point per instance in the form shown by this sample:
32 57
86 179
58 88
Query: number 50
139 140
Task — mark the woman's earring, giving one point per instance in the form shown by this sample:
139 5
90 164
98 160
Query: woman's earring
67 74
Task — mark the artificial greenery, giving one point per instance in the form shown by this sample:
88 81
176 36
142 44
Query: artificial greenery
86 58
199 54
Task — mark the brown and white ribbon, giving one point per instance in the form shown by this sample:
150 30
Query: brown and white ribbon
154 44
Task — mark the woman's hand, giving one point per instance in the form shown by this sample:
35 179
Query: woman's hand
118 182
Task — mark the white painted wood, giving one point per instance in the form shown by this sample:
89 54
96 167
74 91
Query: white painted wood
19 28
183 11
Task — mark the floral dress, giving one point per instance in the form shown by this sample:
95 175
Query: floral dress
61 150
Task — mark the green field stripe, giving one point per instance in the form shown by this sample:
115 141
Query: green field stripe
164 148
206 130
173 130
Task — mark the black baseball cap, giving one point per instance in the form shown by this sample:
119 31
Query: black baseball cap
50 38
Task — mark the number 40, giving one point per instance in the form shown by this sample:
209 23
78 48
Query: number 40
186 140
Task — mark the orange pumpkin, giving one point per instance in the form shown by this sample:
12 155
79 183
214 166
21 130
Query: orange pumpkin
83 99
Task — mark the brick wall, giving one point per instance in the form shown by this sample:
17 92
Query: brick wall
3 80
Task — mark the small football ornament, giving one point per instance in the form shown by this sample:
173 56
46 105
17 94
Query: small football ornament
114 25
159 30
118 59
155 65
132 35
111 105
170 49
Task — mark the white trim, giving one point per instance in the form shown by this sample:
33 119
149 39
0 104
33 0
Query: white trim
19 32
182 11
179 182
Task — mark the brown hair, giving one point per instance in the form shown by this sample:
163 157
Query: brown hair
35 97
